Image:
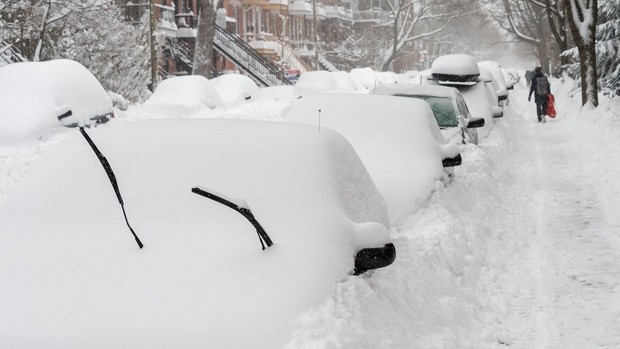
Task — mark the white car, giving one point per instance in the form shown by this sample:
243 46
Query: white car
397 139
448 105
38 97
496 71
182 96
195 192
492 87
317 82
462 72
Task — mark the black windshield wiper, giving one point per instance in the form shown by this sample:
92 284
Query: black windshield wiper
112 177
245 212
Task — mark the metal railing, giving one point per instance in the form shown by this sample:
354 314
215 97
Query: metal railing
10 54
248 59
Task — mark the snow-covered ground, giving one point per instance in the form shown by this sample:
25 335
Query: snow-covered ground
521 249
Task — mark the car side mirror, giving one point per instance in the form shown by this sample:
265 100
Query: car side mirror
475 123
497 112
373 258
451 162
65 118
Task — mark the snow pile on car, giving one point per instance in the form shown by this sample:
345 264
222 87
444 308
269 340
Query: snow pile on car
455 64
364 77
34 94
182 96
317 81
397 139
72 275
235 89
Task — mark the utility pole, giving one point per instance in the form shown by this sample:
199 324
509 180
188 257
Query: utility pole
152 29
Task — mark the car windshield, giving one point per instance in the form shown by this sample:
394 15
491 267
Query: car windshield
442 108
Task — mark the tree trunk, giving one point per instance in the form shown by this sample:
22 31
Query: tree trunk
152 48
203 51
586 45
39 49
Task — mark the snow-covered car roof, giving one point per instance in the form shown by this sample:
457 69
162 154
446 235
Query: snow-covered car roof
455 64
72 274
317 82
397 139
182 96
34 94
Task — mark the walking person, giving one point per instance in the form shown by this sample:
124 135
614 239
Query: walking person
541 88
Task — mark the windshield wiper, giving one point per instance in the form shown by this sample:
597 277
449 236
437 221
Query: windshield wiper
242 209
112 177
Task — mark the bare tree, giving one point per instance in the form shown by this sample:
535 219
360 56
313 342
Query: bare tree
407 15
582 20
539 23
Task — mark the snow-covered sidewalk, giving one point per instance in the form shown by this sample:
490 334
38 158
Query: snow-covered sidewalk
574 254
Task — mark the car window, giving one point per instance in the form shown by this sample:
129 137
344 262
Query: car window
442 108
462 106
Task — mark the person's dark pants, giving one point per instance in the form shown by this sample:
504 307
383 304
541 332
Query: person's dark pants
541 105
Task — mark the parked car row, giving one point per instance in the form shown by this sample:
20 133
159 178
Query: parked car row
322 189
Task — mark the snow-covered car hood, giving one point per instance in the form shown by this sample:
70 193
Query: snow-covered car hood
72 275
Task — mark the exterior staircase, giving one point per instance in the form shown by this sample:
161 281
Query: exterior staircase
10 54
246 58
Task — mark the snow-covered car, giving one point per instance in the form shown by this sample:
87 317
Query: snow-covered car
317 82
492 97
397 139
496 71
364 77
286 93
462 72
38 97
236 87
182 96
511 76
345 81
195 192
448 105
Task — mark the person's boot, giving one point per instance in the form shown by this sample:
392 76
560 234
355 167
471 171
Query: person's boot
539 118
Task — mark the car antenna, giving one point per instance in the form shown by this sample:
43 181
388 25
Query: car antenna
319 120
112 177
245 212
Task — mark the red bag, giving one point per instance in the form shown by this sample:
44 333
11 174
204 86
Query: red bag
551 105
